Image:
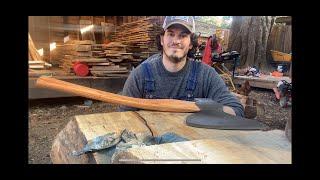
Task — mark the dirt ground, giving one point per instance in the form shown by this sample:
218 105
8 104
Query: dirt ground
48 117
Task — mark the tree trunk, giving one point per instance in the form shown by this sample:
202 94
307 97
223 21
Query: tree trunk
249 36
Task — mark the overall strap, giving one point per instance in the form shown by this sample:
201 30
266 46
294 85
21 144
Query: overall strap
192 79
148 79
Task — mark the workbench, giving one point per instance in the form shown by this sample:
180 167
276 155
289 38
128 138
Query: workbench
264 81
205 146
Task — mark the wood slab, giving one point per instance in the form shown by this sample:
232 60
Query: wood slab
247 146
206 151
83 128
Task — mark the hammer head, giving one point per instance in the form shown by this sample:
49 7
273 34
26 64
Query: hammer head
212 116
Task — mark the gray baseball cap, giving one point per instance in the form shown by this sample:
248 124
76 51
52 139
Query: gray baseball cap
186 21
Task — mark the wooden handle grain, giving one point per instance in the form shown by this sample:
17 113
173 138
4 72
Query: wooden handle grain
166 105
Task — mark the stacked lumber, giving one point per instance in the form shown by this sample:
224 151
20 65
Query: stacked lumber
109 70
33 52
75 49
98 50
140 36
35 60
116 52
83 50
67 64
102 59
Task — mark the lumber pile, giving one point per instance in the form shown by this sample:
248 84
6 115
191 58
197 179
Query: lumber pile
75 49
131 43
35 60
33 52
139 36
102 59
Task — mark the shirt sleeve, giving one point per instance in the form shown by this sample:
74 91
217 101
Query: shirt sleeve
219 92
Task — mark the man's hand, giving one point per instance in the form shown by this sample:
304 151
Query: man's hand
229 110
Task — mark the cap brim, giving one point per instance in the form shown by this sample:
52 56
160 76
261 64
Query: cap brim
181 23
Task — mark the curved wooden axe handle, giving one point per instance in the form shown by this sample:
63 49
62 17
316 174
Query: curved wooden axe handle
166 105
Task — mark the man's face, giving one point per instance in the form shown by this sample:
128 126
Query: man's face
176 43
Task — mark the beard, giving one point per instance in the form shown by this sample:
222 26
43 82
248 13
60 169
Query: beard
175 58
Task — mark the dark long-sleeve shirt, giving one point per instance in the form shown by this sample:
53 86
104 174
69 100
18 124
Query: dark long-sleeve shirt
173 84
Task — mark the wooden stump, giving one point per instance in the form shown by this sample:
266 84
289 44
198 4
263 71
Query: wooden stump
246 146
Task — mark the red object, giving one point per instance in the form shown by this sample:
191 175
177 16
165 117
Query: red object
81 69
277 74
207 55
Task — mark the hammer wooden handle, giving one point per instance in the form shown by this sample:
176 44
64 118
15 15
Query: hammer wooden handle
166 105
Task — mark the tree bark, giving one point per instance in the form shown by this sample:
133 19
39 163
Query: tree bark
249 36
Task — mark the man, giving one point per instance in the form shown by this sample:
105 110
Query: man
172 75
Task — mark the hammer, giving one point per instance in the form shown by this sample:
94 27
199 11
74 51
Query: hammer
206 113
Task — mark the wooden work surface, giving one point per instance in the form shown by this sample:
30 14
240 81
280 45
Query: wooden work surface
205 145
264 81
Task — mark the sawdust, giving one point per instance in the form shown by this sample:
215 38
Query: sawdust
274 116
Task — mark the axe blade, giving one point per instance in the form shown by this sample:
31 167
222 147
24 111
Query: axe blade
212 116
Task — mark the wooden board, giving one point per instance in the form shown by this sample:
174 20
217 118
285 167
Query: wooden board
91 60
36 62
115 60
109 68
110 73
265 81
247 146
100 64
82 47
36 66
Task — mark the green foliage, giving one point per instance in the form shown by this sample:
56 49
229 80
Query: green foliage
223 22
